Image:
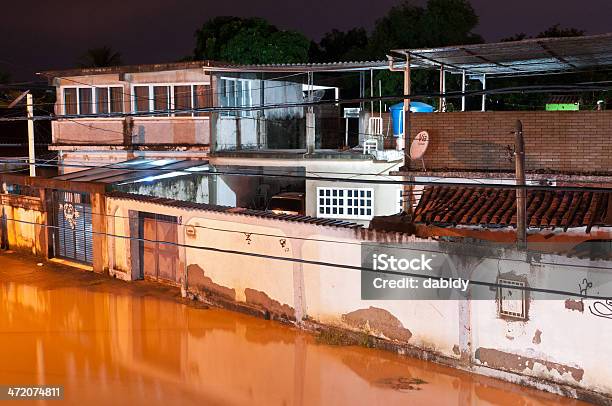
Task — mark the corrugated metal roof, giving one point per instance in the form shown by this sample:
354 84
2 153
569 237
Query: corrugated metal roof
233 210
307 67
563 99
489 207
530 56
134 170
217 66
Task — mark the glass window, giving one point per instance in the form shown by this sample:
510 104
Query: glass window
93 100
230 92
182 100
236 93
116 100
70 101
141 97
161 98
202 96
85 101
102 100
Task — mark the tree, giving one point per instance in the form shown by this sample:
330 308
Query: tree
399 28
516 37
249 41
440 23
215 33
554 31
4 76
100 57
557 31
449 22
342 46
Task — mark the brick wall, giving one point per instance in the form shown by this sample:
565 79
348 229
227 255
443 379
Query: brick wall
556 141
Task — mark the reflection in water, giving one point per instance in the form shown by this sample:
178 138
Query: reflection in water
111 346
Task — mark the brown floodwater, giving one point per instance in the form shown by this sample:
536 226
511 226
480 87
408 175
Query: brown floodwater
113 343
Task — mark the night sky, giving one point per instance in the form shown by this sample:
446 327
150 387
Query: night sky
38 35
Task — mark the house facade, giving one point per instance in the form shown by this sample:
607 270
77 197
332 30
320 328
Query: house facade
237 120
109 115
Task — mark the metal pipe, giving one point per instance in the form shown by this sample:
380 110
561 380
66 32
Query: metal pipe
463 90
371 92
380 100
442 100
521 193
484 87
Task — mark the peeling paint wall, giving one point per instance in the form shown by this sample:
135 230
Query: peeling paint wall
557 347
193 188
22 213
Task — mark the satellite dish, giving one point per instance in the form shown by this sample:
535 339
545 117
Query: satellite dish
419 145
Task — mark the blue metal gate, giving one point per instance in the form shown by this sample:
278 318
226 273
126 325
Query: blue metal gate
73 233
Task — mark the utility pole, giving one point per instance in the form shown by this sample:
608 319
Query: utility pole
32 157
30 114
521 193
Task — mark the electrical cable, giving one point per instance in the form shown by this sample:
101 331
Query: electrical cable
337 179
507 90
321 263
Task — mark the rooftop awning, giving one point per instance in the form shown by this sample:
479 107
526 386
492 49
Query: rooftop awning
308 67
531 56
138 170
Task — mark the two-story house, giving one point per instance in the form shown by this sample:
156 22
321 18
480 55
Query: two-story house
257 131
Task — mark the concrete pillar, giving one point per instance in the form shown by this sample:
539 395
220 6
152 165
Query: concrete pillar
98 222
299 297
310 131
364 116
134 234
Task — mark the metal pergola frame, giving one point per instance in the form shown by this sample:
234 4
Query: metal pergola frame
537 56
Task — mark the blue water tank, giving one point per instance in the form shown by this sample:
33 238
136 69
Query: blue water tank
397 115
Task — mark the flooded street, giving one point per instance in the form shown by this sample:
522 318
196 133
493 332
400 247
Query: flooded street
110 342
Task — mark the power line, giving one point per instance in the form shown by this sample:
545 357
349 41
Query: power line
322 263
206 91
165 112
253 173
115 216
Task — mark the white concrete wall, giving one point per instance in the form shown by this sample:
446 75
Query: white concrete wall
353 170
23 233
571 351
553 332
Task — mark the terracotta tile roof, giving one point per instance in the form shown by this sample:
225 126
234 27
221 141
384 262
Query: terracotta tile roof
494 207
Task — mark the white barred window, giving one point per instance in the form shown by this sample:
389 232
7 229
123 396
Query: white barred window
345 203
